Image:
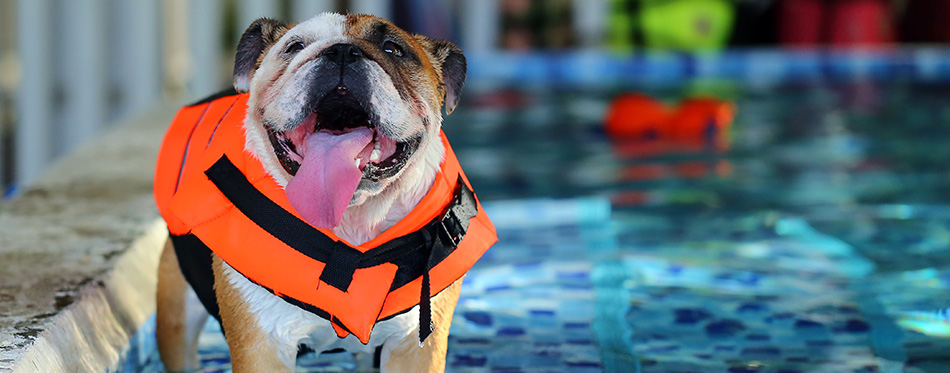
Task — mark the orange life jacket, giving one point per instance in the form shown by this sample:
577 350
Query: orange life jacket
215 195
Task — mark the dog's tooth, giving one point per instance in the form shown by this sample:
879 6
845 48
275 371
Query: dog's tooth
375 155
376 145
358 161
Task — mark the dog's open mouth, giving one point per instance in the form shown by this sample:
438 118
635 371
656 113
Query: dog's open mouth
337 145
380 159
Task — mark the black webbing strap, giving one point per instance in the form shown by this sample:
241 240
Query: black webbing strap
414 254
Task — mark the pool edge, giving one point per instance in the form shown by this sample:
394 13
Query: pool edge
92 333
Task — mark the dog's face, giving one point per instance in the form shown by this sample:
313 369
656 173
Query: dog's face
341 106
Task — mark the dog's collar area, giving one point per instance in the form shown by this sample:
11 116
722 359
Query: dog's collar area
415 254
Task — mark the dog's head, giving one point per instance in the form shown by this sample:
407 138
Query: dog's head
341 106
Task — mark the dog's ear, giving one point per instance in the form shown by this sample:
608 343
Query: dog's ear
258 37
449 59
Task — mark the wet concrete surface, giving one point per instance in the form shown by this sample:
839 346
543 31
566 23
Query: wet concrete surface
61 239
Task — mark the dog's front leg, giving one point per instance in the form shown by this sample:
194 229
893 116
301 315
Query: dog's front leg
407 356
179 316
253 346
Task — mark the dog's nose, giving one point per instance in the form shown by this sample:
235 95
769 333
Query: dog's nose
343 54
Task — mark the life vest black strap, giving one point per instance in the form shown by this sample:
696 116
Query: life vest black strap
414 254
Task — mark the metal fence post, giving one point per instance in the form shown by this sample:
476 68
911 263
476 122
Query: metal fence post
205 37
302 10
251 10
480 25
8 82
135 48
84 69
33 144
379 8
590 16
177 60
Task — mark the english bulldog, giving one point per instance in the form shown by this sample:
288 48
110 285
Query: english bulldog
344 112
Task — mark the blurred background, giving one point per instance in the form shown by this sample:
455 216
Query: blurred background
679 185
70 68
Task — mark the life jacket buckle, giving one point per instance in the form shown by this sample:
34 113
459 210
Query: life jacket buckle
451 218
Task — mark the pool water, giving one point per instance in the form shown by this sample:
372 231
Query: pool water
815 240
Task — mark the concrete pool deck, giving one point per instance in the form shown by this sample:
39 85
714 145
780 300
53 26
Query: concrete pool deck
79 251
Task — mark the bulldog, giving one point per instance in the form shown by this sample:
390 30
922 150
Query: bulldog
319 203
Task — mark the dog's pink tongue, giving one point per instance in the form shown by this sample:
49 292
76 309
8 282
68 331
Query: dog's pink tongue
326 180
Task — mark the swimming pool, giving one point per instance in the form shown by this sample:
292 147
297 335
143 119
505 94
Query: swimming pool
816 240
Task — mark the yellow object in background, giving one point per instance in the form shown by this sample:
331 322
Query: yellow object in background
688 25
620 26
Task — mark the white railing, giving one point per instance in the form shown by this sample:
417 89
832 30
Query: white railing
86 63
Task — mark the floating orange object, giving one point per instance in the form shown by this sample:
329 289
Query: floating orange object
635 115
643 127
638 115
699 118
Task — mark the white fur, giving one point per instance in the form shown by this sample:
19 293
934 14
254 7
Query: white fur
320 32
395 116
368 215
291 325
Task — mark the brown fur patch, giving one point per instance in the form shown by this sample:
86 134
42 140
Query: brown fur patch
252 348
259 37
417 74
170 315
271 33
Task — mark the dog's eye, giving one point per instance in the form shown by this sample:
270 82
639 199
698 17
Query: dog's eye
392 48
295 47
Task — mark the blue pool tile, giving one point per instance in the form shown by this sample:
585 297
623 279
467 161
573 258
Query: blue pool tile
478 318
582 364
471 341
758 337
541 313
573 276
690 315
779 316
577 325
807 324
761 352
580 341
751 307
724 328
510 331
528 265
506 370
745 369
549 351
468 361
854 326
661 349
